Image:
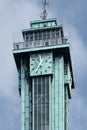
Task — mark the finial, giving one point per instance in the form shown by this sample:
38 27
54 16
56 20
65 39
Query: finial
44 14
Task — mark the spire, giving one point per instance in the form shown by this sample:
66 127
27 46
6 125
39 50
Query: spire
44 14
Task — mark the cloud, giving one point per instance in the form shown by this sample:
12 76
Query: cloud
15 15
13 19
78 112
78 50
78 105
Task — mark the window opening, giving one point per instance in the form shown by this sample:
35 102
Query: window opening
41 103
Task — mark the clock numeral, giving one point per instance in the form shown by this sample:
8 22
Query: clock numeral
33 59
50 62
49 57
49 67
45 70
45 60
31 64
32 68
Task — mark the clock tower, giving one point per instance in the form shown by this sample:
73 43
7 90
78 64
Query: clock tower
45 76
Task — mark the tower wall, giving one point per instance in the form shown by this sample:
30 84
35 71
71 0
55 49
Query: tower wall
43 55
26 96
58 94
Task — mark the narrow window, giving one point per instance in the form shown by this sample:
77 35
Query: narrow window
31 36
53 34
41 103
48 34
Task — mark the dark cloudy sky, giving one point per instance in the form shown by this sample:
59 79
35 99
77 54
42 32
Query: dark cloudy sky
14 16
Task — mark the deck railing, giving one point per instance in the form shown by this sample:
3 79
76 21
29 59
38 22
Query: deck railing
39 43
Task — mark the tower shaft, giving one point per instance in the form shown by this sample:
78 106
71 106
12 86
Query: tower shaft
45 76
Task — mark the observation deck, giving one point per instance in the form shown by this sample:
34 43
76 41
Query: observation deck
39 43
41 33
42 36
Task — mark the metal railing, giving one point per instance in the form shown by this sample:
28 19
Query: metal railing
39 43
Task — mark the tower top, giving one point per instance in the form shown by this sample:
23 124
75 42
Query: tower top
44 13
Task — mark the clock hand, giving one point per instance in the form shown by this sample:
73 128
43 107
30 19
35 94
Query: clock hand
39 65
40 57
41 60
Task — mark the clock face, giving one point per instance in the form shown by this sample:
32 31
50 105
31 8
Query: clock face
41 63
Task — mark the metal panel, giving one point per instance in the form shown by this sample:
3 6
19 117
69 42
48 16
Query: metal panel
27 124
66 108
50 95
56 64
53 99
26 105
23 95
59 93
68 78
25 102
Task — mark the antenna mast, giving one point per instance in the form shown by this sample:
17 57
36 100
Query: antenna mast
44 14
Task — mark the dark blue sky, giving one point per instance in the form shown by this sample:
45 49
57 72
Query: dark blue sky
14 16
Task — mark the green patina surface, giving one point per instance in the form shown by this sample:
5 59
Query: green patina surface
42 28
43 23
47 63
59 46
59 93
25 104
60 84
